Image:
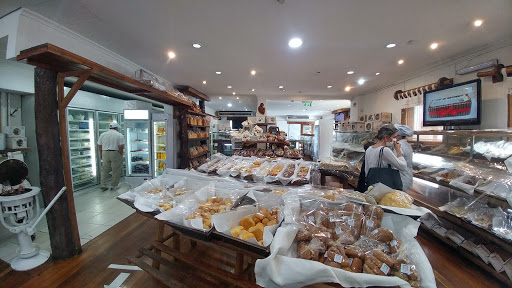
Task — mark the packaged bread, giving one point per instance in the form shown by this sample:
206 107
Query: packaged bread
253 226
397 199
212 206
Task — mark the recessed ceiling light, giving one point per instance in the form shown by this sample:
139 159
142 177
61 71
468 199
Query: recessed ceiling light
252 89
253 72
434 46
303 110
245 109
329 86
220 97
234 93
229 87
204 82
196 45
401 61
237 97
361 81
218 72
478 22
378 73
348 88
229 105
288 105
171 55
281 86
390 45
295 42
284 90
350 72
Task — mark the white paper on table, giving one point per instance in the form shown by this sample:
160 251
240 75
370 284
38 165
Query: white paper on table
268 178
130 196
302 163
468 245
496 262
458 182
281 270
413 211
285 180
439 178
379 191
429 220
495 188
455 237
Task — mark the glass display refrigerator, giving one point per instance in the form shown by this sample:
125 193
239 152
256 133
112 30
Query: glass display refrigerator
162 142
104 120
138 146
82 151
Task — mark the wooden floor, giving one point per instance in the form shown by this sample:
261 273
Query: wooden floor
124 239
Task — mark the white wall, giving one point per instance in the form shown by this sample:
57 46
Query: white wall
494 96
16 77
326 136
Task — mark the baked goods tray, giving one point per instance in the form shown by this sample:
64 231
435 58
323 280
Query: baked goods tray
239 243
191 233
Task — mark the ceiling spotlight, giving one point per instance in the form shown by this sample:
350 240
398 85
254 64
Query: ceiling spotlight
288 105
281 87
391 45
253 72
204 82
401 61
361 81
348 88
234 93
218 72
329 86
237 97
377 74
245 109
252 89
478 22
220 97
196 45
284 90
303 110
229 105
295 42
434 46
229 87
171 55
350 72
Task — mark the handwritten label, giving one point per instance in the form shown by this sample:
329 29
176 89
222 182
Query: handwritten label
325 255
338 258
351 222
384 268
405 269
338 230
350 261
369 223
394 243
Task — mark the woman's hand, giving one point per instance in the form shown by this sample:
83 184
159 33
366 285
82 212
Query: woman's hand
397 149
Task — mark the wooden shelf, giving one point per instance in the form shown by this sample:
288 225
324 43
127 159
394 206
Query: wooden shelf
490 132
199 114
54 58
202 126
14 150
267 142
185 89
198 139
197 156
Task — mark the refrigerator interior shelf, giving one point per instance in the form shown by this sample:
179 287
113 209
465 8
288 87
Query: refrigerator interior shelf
77 121
161 145
105 122
140 162
79 130
140 152
81 173
79 139
80 156
84 180
81 165
77 148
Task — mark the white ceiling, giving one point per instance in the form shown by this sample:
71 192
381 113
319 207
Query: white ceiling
240 35
292 108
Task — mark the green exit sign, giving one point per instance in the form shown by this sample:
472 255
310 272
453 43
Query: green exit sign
307 104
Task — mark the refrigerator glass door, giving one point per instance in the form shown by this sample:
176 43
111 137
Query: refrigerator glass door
160 144
82 151
120 120
104 120
138 147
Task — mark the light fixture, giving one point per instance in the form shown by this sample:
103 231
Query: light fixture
390 45
348 88
361 81
377 74
288 105
284 90
234 93
218 72
220 97
281 87
196 45
245 109
171 55
303 110
478 22
434 46
329 86
204 82
229 105
252 89
253 72
229 87
401 61
237 97
476 67
295 42
350 72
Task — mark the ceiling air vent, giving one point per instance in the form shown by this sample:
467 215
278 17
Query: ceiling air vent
297 117
234 113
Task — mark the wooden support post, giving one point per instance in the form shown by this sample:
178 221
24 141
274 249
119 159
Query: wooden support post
239 263
159 237
62 224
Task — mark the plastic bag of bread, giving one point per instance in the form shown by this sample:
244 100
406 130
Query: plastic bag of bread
347 226
373 217
279 152
397 199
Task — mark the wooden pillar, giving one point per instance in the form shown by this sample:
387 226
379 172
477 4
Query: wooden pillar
62 226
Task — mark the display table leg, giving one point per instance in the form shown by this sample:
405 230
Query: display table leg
159 237
239 264
177 242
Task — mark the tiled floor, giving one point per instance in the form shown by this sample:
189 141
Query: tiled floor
96 212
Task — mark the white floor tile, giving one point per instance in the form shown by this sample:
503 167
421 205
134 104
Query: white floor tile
96 232
84 240
83 217
8 251
42 237
103 218
85 228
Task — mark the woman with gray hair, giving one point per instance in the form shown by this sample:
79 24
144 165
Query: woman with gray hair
404 131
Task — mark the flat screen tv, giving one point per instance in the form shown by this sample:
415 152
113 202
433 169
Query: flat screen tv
456 105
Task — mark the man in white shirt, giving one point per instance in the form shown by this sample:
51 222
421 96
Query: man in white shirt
111 147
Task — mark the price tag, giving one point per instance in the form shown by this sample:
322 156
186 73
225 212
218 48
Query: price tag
325 255
369 223
350 261
351 222
338 258
384 268
394 243
338 230
173 204
331 219
311 219
405 269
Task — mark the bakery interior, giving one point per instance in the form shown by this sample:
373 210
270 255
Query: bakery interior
244 127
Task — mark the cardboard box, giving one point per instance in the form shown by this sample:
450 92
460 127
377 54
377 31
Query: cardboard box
13 131
16 142
362 118
252 119
357 126
270 119
382 116
260 119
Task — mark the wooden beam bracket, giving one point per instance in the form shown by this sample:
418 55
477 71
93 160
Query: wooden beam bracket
495 73
508 69
442 82
82 75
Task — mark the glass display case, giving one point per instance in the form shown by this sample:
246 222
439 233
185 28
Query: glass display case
221 143
138 146
308 142
104 120
82 152
160 145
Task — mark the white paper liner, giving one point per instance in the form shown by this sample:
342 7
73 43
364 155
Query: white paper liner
459 183
281 270
413 211
270 179
286 180
455 237
495 188
439 178
301 163
147 202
